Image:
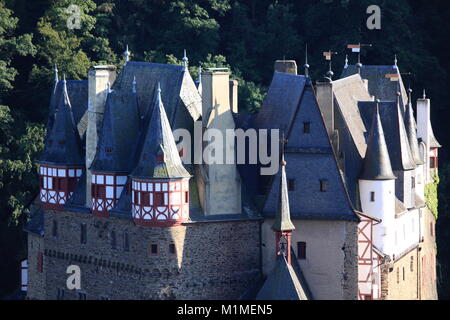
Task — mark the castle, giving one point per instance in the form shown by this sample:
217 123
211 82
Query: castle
344 218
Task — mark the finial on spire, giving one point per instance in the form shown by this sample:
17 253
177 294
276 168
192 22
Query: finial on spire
159 88
410 94
108 87
424 94
127 55
359 65
395 61
134 85
56 73
306 66
346 61
185 60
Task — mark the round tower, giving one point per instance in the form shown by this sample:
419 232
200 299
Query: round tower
159 183
377 186
61 164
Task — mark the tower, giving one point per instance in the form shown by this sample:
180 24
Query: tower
377 185
61 163
283 225
159 183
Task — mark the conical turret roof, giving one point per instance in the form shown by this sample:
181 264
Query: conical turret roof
63 145
411 132
159 157
377 164
283 218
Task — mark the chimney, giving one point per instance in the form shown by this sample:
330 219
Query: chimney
220 190
325 99
100 78
424 130
234 84
286 66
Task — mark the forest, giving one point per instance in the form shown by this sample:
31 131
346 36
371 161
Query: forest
245 35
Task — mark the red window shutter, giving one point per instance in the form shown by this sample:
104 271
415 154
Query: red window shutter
40 261
159 199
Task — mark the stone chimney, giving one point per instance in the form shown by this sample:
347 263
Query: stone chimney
220 185
424 130
325 98
100 79
234 95
286 66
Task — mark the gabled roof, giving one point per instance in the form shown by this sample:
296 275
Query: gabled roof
394 130
159 157
283 218
178 88
120 131
311 160
380 87
282 283
63 145
411 131
377 164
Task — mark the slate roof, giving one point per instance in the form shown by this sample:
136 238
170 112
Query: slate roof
120 129
380 87
310 158
433 141
178 88
159 143
63 145
377 164
282 283
35 221
395 132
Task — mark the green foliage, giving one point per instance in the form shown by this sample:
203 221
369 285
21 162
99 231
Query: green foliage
431 196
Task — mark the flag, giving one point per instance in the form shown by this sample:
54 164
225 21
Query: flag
327 55
354 47
393 76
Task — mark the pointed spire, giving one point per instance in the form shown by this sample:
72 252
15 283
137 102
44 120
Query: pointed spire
200 88
306 66
395 61
424 96
283 218
127 55
134 85
185 60
377 164
159 157
411 131
359 65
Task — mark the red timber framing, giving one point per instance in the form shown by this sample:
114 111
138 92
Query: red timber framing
57 184
162 203
366 258
106 189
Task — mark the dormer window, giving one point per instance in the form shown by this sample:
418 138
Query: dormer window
160 158
291 184
323 185
306 127
372 197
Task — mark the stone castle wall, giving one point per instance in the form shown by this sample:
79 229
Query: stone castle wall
211 261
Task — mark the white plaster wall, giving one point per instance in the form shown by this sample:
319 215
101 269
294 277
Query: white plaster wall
424 129
407 231
324 264
382 208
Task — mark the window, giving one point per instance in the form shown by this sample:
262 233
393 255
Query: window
403 273
323 185
291 184
186 197
431 229
83 235
172 249
82 296
159 199
413 182
301 250
98 191
372 197
411 264
306 127
113 239
126 242
433 163
145 199
55 229
40 262
398 275
60 294
153 249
